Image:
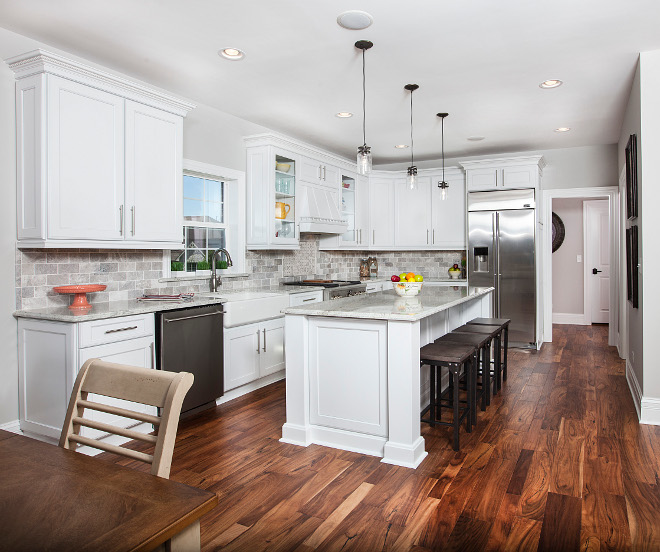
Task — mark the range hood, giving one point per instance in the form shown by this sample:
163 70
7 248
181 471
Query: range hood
319 213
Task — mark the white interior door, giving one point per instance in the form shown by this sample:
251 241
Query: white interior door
597 248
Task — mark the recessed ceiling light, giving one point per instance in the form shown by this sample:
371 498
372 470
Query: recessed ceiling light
344 114
476 138
234 54
551 83
354 20
402 146
562 129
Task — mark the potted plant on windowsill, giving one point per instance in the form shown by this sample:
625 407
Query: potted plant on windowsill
177 269
203 269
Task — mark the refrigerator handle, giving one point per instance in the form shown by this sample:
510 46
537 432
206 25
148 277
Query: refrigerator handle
496 270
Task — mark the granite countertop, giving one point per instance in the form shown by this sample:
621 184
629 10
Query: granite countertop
389 306
115 309
456 281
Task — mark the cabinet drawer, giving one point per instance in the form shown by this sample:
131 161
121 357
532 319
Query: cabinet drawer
296 299
111 330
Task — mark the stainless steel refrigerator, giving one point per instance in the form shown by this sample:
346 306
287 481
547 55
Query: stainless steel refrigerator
501 238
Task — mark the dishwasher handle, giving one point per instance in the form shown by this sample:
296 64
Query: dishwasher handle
193 316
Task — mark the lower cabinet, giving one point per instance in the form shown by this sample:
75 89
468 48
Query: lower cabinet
50 355
253 351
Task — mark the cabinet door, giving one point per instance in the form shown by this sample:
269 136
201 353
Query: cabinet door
519 177
154 175
330 176
413 214
483 179
242 346
362 210
310 170
85 162
272 347
381 212
134 352
449 227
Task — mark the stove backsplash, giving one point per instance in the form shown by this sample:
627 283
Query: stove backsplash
130 273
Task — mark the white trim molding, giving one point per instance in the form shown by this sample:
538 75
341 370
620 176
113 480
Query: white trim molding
648 408
568 318
12 427
598 192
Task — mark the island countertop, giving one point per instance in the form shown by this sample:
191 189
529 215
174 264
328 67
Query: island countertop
390 306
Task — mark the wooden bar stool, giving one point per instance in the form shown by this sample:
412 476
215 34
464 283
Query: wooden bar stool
504 323
480 342
494 333
453 356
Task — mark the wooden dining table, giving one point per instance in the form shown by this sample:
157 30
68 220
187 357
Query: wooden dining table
57 499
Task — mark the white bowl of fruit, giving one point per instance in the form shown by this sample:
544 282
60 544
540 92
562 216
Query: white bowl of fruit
407 284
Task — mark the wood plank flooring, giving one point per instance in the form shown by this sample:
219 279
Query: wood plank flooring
558 462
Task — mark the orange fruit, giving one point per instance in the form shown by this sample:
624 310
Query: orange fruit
410 275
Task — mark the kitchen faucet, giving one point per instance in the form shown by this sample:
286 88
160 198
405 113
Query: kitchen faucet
215 279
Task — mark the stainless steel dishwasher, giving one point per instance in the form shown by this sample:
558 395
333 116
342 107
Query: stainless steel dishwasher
190 340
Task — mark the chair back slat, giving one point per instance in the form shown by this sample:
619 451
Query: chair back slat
140 385
165 390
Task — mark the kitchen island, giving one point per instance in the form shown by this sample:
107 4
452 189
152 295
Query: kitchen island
352 368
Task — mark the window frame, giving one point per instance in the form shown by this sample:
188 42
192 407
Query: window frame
234 215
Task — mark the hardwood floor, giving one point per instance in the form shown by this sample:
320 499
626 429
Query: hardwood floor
557 462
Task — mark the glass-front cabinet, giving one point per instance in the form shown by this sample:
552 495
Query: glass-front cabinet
271 195
285 199
348 204
354 209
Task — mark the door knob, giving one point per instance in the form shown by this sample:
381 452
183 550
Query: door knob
594 271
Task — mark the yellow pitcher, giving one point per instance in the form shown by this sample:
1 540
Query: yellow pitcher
281 210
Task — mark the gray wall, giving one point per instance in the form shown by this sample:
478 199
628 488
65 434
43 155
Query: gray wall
632 125
567 273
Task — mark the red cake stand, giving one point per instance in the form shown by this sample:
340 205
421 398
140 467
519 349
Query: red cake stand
80 294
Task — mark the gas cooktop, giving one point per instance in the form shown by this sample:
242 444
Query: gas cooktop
323 283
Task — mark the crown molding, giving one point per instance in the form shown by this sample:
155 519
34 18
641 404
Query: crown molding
505 162
42 61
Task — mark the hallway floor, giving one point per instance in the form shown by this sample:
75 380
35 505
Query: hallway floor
558 462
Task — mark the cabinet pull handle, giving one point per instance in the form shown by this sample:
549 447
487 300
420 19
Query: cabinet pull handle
433 237
133 220
264 340
121 329
427 236
310 299
258 342
373 237
319 172
324 173
121 220
168 320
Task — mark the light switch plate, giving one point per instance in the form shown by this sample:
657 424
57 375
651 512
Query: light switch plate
579 258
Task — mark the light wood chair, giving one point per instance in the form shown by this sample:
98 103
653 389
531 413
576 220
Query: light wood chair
165 390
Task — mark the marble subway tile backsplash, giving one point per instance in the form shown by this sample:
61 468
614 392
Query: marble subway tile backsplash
128 273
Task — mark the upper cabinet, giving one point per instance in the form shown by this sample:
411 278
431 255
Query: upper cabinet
499 174
412 213
381 212
317 172
272 198
449 225
99 158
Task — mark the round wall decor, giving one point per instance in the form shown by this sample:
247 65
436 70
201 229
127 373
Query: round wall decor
558 232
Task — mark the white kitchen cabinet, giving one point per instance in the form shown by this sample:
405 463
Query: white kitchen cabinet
98 158
374 287
355 211
381 212
154 175
319 172
253 351
412 213
85 162
51 353
272 198
449 225
499 174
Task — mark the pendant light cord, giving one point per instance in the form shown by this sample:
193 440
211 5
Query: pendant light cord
412 145
443 149
364 100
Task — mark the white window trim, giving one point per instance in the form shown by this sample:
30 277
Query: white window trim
237 178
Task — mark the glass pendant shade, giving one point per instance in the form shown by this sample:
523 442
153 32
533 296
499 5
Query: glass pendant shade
444 190
411 179
364 159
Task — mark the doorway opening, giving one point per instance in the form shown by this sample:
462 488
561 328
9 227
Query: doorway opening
581 273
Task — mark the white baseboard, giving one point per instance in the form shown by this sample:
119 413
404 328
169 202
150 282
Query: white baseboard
635 390
249 387
13 426
568 318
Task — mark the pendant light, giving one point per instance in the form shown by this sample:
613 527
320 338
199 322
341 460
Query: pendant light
411 179
364 151
443 185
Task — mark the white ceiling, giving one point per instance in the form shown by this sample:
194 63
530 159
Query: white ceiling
479 60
